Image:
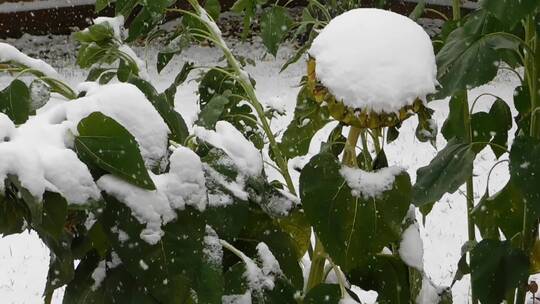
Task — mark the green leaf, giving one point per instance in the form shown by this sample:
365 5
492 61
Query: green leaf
210 282
351 228
125 7
95 33
54 214
11 216
309 117
445 173
101 5
323 293
261 228
118 284
418 10
126 70
497 268
173 119
503 210
470 57
165 268
275 25
525 171
510 12
107 144
454 125
211 113
387 275
174 47
501 117
15 101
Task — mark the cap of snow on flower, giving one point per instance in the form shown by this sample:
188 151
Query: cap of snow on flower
370 61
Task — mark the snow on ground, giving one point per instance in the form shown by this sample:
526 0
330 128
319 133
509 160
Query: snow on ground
24 259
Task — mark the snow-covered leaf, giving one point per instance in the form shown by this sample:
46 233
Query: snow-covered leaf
352 228
106 144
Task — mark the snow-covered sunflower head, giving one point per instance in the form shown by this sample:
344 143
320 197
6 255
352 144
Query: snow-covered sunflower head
373 68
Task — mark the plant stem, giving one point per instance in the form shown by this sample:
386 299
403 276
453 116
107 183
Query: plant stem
316 272
349 153
469 185
532 67
246 84
456 9
365 152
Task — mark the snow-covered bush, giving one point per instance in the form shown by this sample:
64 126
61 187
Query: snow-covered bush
156 211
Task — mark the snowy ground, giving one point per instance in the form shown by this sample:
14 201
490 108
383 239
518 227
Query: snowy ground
24 259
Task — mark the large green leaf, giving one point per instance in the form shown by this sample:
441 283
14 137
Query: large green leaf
323 293
510 12
444 174
469 57
525 171
309 117
15 101
168 268
503 210
352 229
497 268
387 275
108 145
454 125
211 113
54 214
275 25
11 216
118 286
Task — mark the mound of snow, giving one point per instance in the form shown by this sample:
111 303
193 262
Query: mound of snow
244 154
10 53
375 59
40 151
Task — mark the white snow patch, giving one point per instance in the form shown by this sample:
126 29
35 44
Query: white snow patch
98 275
237 299
369 184
244 154
10 53
411 249
375 59
429 293
213 250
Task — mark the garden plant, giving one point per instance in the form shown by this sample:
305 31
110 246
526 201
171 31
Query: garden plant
138 207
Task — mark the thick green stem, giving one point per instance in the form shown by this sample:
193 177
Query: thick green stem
456 9
316 272
365 151
245 82
349 153
469 185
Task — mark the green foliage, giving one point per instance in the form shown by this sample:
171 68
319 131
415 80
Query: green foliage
386 274
470 55
510 12
352 229
15 101
275 25
444 174
497 269
308 118
104 143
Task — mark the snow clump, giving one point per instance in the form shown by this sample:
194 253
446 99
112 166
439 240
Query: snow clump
375 59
